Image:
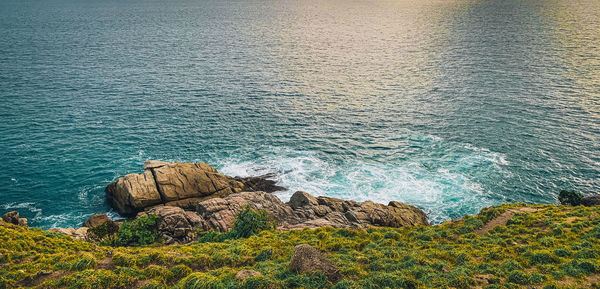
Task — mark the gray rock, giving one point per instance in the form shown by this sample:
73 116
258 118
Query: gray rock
307 259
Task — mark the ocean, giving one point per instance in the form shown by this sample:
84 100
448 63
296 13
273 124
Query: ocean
447 105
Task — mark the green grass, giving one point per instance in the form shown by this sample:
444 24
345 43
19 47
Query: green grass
555 247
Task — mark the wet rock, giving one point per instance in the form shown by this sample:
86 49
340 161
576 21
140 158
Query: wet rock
264 183
175 226
96 220
592 200
307 259
13 218
245 274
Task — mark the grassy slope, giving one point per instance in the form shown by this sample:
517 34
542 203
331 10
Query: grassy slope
556 245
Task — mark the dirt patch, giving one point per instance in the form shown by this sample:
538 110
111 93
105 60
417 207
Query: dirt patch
106 264
40 277
502 219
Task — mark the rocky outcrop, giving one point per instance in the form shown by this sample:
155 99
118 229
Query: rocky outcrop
306 211
77 234
13 218
175 184
175 226
307 259
592 200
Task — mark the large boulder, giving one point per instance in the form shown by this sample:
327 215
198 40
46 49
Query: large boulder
307 259
306 211
13 218
175 226
592 200
178 184
133 192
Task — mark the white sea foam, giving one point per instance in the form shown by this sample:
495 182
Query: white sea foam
448 191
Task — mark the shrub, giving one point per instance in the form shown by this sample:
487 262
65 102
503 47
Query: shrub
387 280
138 232
541 257
103 231
518 277
259 282
247 223
83 264
344 284
569 198
470 224
201 281
179 271
263 255
250 222
313 280
562 252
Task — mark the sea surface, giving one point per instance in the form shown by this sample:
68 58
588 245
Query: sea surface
448 105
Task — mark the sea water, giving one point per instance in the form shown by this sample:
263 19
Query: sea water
449 105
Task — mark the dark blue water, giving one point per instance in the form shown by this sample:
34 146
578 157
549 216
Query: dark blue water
448 105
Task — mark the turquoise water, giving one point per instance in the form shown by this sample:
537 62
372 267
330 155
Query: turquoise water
447 105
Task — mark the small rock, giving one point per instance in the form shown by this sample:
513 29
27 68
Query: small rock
245 274
589 201
13 218
22 222
96 220
306 259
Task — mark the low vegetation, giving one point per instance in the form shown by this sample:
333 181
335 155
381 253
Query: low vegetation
551 247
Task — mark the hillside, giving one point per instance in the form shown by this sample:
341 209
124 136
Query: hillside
509 246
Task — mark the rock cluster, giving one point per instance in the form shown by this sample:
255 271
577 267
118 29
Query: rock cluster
306 211
169 189
177 184
13 218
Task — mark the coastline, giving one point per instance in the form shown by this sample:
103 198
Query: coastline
233 235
